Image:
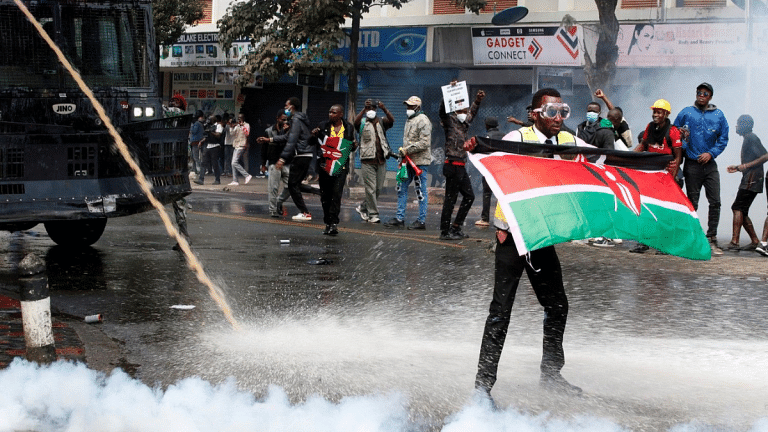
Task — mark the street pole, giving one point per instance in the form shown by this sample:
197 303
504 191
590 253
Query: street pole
36 310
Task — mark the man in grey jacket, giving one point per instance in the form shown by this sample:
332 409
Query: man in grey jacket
417 137
374 151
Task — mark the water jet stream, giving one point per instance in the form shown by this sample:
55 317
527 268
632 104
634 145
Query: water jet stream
194 264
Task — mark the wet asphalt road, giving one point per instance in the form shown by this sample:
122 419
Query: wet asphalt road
655 341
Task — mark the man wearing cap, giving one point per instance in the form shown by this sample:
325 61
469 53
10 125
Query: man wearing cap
456 124
491 131
706 140
374 151
417 137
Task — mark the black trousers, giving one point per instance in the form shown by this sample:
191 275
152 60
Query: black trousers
456 182
297 173
546 278
487 195
211 162
331 190
708 177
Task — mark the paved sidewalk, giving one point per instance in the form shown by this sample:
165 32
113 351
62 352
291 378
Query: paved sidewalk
12 344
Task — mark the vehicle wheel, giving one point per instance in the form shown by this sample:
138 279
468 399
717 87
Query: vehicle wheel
76 232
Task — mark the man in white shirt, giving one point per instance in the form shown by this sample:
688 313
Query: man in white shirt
239 133
541 265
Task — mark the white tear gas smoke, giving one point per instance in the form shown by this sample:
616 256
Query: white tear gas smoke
734 91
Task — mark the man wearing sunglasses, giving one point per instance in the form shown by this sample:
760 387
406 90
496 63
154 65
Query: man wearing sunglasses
707 139
541 265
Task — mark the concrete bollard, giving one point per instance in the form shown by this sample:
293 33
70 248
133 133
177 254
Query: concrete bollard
36 310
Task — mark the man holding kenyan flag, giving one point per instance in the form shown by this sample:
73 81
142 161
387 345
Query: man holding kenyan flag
333 164
541 265
545 200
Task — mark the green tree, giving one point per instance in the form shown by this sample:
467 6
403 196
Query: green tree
297 36
171 17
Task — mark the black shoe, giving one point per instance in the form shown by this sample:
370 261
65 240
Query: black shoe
216 183
327 230
450 235
457 230
556 383
416 225
333 230
640 248
394 223
196 181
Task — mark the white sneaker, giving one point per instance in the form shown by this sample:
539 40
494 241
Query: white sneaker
762 249
302 217
234 184
374 219
248 178
603 242
363 214
716 251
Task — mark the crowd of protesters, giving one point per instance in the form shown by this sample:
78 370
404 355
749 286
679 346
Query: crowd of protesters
290 150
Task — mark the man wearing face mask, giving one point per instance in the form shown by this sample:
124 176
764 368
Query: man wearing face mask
455 125
417 138
298 152
708 137
374 151
587 130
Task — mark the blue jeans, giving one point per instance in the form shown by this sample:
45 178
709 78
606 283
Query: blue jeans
402 195
236 167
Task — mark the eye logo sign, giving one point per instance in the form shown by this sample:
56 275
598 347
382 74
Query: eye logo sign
570 40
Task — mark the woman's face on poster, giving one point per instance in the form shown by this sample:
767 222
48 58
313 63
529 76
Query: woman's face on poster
644 38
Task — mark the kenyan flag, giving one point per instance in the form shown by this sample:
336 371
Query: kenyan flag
335 154
551 201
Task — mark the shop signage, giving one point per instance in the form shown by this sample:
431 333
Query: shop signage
380 45
203 49
675 45
527 46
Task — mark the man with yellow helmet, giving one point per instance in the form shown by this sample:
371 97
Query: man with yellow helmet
661 136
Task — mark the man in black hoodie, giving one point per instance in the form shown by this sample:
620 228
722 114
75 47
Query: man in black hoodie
298 152
332 186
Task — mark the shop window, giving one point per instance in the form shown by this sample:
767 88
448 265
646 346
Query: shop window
443 7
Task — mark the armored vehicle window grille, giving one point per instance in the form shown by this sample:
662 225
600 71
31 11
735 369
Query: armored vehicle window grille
12 161
167 156
168 180
81 161
105 42
12 189
181 155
